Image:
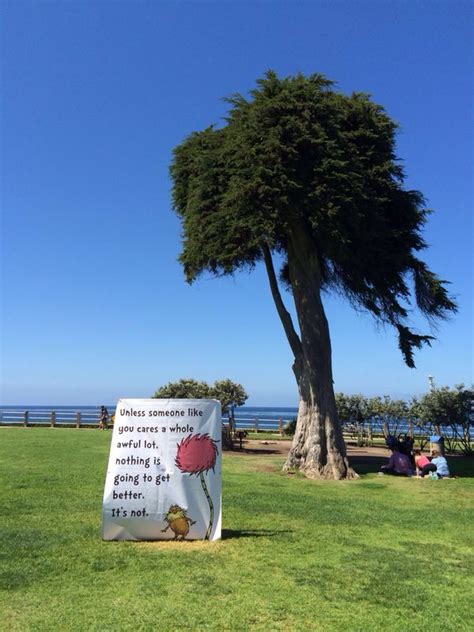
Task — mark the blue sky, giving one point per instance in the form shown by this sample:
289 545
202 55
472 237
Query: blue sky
96 95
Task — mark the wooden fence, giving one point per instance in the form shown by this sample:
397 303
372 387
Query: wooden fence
90 418
52 418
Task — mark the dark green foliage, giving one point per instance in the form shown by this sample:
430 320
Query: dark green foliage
229 393
450 408
184 389
446 406
289 428
352 408
298 153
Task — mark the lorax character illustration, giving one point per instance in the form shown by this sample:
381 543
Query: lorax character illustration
178 522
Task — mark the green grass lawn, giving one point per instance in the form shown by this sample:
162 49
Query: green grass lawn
377 553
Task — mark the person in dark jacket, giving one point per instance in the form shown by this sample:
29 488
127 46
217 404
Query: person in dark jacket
398 464
103 418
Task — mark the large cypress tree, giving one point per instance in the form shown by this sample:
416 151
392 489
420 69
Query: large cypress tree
311 174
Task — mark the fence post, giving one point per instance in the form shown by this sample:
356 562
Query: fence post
280 425
25 418
255 425
78 419
53 418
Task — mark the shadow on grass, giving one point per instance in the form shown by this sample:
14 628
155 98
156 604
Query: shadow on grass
367 464
229 534
458 465
253 451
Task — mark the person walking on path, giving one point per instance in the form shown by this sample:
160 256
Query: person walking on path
104 418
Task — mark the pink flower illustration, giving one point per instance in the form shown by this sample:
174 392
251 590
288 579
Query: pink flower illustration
197 454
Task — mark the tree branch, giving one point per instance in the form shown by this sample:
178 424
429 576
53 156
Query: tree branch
293 338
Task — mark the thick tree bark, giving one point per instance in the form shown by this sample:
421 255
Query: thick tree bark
318 447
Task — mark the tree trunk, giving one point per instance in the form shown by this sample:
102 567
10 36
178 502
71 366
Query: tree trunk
318 447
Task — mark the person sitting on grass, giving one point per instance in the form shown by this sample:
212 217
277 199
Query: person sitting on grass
398 464
423 465
442 469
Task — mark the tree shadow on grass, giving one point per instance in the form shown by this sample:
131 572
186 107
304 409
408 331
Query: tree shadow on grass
367 464
253 451
229 534
259 451
459 465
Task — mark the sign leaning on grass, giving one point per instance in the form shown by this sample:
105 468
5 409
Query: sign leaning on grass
164 473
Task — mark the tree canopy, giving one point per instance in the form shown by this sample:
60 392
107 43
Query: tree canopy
229 393
184 389
298 156
447 406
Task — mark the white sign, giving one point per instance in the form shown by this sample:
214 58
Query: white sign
164 474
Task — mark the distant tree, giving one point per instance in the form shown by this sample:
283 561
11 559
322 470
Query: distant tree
230 394
184 389
342 408
390 412
450 408
303 172
353 411
351 408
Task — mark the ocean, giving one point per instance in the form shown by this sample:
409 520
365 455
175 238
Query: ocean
251 417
